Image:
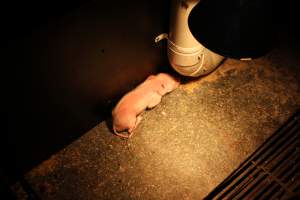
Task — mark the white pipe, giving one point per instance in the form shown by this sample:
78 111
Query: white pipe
186 55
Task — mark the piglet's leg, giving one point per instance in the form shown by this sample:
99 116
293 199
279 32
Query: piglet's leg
138 120
130 131
155 100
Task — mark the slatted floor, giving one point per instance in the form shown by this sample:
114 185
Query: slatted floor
272 172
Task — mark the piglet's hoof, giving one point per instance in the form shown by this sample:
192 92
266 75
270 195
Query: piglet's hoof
127 133
124 134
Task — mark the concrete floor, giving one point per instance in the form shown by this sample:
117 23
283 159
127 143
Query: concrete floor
186 145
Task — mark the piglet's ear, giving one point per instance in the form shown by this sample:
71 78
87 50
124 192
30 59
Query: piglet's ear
150 77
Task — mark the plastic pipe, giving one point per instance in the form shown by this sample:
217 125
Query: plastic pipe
186 55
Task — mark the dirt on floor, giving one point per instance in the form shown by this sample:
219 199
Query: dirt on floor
185 146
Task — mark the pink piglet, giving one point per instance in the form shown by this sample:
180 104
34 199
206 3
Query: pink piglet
126 114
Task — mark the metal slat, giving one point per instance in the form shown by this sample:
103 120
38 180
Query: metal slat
233 178
284 143
282 147
280 194
292 129
270 193
272 171
264 190
289 172
239 180
245 188
276 140
251 187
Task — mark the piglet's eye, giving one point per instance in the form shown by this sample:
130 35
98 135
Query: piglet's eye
162 85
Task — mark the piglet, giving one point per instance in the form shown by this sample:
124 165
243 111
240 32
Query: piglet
126 114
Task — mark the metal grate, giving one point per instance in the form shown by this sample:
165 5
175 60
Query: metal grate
271 172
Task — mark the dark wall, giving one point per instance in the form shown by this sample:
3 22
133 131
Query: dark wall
235 28
63 69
